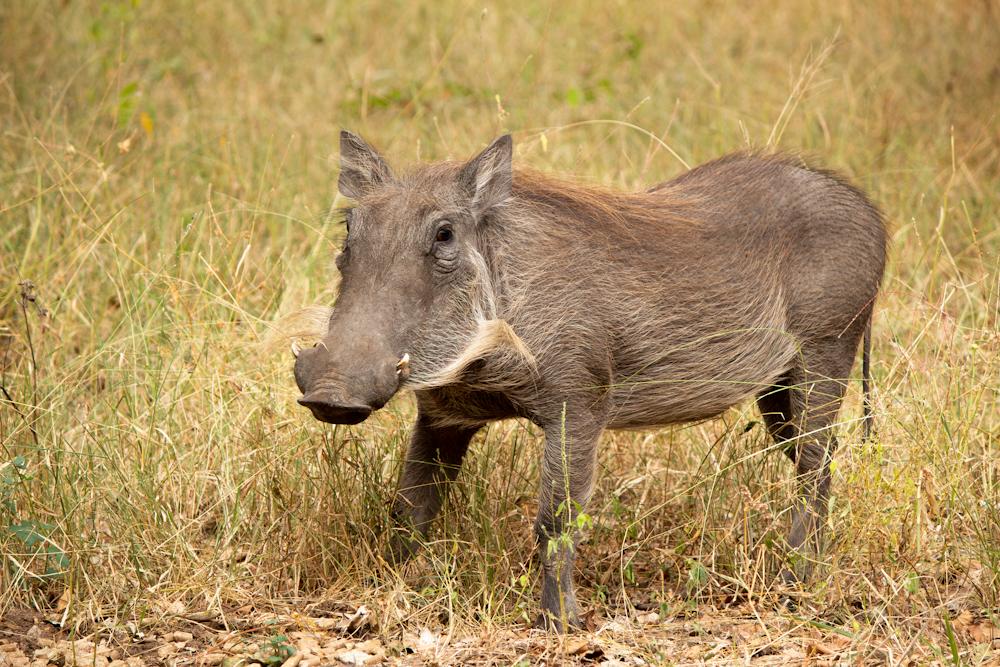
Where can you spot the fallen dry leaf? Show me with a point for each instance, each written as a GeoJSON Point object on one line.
{"type": "Point", "coordinates": [356, 622]}
{"type": "Point", "coordinates": [589, 621]}
{"type": "Point", "coordinates": [984, 632]}
{"type": "Point", "coordinates": [822, 649]}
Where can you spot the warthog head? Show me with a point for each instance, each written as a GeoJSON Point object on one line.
{"type": "Point", "coordinates": [414, 299]}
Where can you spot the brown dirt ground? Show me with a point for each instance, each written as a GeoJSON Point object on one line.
{"type": "Point", "coordinates": [330, 633]}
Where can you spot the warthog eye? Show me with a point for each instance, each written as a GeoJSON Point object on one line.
{"type": "Point", "coordinates": [444, 250]}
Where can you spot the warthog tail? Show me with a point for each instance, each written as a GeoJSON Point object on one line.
{"type": "Point", "coordinates": [866, 381]}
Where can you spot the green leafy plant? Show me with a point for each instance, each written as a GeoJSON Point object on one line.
{"type": "Point", "coordinates": [12, 475]}
{"type": "Point", "coordinates": [276, 650]}
{"type": "Point", "coordinates": [37, 540]}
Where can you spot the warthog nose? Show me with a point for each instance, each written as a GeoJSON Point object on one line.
{"type": "Point", "coordinates": [328, 408]}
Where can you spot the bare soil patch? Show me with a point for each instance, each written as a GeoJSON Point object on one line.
{"type": "Point", "coordinates": [335, 633]}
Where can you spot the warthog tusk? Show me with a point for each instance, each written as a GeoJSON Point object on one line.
{"type": "Point", "coordinates": [403, 363]}
{"type": "Point", "coordinates": [295, 349]}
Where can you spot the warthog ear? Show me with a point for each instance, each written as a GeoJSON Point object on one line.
{"type": "Point", "coordinates": [487, 177]}
{"type": "Point", "coordinates": [362, 169]}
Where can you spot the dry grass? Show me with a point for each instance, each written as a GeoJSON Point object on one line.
{"type": "Point", "coordinates": [166, 182]}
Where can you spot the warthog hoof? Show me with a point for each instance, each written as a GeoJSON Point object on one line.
{"type": "Point", "coordinates": [551, 623]}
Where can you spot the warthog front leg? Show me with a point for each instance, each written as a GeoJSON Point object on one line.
{"type": "Point", "coordinates": [569, 467]}
{"type": "Point", "coordinates": [433, 459]}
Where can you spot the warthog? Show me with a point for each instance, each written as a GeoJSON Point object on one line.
{"type": "Point", "coordinates": [496, 291]}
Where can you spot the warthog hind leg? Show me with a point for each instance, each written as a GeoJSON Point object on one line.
{"type": "Point", "coordinates": [800, 411]}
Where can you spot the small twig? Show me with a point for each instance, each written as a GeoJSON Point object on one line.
{"type": "Point", "coordinates": [620, 122]}
{"type": "Point", "coordinates": [617, 127]}
{"type": "Point", "coordinates": [502, 103]}
{"type": "Point", "coordinates": [28, 295]}
{"type": "Point", "coordinates": [656, 148]}
{"type": "Point", "coordinates": [807, 73]}
{"type": "Point", "coordinates": [858, 314]}
{"type": "Point", "coordinates": [916, 637]}
{"type": "Point", "coordinates": [20, 414]}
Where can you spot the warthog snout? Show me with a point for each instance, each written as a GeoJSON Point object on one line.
{"type": "Point", "coordinates": [345, 395]}
{"type": "Point", "coordinates": [327, 407]}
